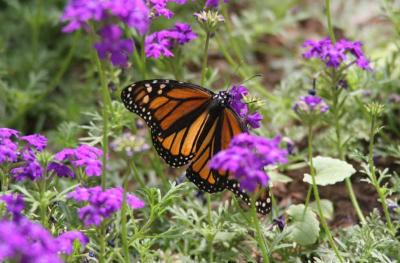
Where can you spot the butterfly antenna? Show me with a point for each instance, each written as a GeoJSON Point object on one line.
{"type": "Point", "coordinates": [253, 77]}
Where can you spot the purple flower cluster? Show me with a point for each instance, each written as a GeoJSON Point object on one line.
{"type": "Point", "coordinates": [135, 14]}
{"type": "Point", "coordinates": [240, 107]}
{"type": "Point", "coordinates": [65, 241]}
{"type": "Point", "coordinates": [25, 241]}
{"type": "Point", "coordinates": [310, 104]}
{"type": "Point", "coordinates": [8, 148]}
{"type": "Point", "coordinates": [15, 205]}
{"type": "Point", "coordinates": [101, 204]}
{"type": "Point", "coordinates": [214, 3]}
{"type": "Point", "coordinates": [14, 147]}
{"type": "Point", "coordinates": [160, 44]}
{"type": "Point", "coordinates": [246, 157]}
{"type": "Point", "coordinates": [159, 7]}
{"type": "Point", "coordinates": [84, 156]}
{"type": "Point", "coordinates": [112, 44]}
{"type": "Point", "coordinates": [78, 13]}
{"type": "Point", "coordinates": [334, 54]}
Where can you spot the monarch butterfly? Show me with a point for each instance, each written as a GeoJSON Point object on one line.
{"type": "Point", "coordinates": [189, 124]}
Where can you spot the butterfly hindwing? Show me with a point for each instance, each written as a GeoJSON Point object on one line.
{"type": "Point", "coordinates": [222, 126]}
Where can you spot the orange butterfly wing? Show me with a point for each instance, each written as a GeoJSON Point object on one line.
{"type": "Point", "coordinates": [175, 112]}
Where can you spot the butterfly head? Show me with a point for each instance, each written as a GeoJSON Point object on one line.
{"type": "Point", "coordinates": [223, 98]}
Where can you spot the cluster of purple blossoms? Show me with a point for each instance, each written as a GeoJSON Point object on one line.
{"type": "Point", "coordinates": [24, 149]}
{"type": "Point", "coordinates": [334, 54]}
{"type": "Point", "coordinates": [240, 107]}
{"type": "Point", "coordinates": [78, 13]}
{"type": "Point", "coordinates": [114, 45]}
{"type": "Point", "coordinates": [84, 156]}
{"type": "Point", "coordinates": [25, 241]}
{"type": "Point", "coordinates": [15, 148]}
{"type": "Point", "coordinates": [135, 14]}
{"type": "Point", "coordinates": [160, 44]}
{"type": "Point", "coordinates": [310, 104]}
{"type": "Point", "coordinates": [8, 148]}
{"type": "Point", "coordinates": [15, 205]}
{"type": "Point", "coordinates": [101, 204]}
{"type": "Point", "coordinates": [214, 3]}
{"type": "Point", "coordinates": [246, 157]}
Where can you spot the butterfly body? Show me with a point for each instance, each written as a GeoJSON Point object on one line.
{"type": "Point", "coordinates": [189, 124]}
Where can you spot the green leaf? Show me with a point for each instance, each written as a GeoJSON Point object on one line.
{"type": "Point", "coordinates": [327, 208]}
{"type": "Point", "coordinates": [278, 177]}
{"type": "Point", "coordinates": [329, 171]}
{"type": "Point", "coordinates": [303, 227]}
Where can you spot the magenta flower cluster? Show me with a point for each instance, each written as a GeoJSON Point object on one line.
{"type": "Point", "coordinates": [85, 156]}
{"type": "Point", "coordinates": [334, 54]}
{"type": "Point", "coordinates": [101, 204]}
{"type": "Point", "coordinates": [135, 14]}
{"type": "Point", "coordinates": [310, 104]}
{"type": "Point", "coordinates": [78, 13]}
{"type": "Point", "coordinates": [160, 44]}
{"type": "Point", "coordinates": [237, 94]}
{"type": "Point", "coordinates": [17, 148]}
{"type": "Point", "coordinates": [113, 45]}
{"type": "Point", "coordinates": [214, 3]}
{"type": "Point", "coordinates": [22, 240]}
{"type": "Point", "coordinates": [247, 156]}
{"type": "Point", "coordinates": [24, 149]}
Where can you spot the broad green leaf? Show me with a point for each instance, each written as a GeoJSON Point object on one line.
{"type": "Point", "coordinates": [303, 227]}
{"type": "Point", "coordinates": [327, 208]}
{"type": "Point", "coordinates": [329, 171]}
{"type": "Point", "coordinates": [277, 177]}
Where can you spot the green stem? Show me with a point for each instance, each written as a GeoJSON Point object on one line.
{"type": "Point", "coordinates": [205, 59]}
{"type": "Point", "coordinates": [102, 235]}
{"type": "Point", "coordinates": [374, 179]}
{"type": "Point", "coordinates": [210, 237]}
{"type": "Point", "coordinates": [124, 229]}
{"type": "Point", "coordinates": [232, 40]}
{"type": "Point", "coordinates": [43, 202]}
{"type": "Point", "coordinates": [317, 198]}
{"type": "Point", "coordinates": [4, 183]}
{"type": "Point", "coordinates": [329, 20]}
{"type": "Point", "coordinates": [260, 237]}
{"type": "Point", "coordinates": [143, 55]}
{"type": "Point", "coordinates": [36, 24]}
{"type": "Point", "coordinates": [307, 202]}
{"type": "Point", "coordinates": [136, 174]}
{"type": "Point", "coordinates": [339, 145]}
{"type": "Point", "coordinates": [106, 108]}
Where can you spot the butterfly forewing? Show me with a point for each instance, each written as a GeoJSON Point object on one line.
{"type": "Point", "coordinates": [175, 112]}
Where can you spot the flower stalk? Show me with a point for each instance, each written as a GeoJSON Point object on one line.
{"type": "Point", "coordinates": [124, 228]}
{"type": "Point", "coordinates": [205, 59]}
{"type": "Point", "coordinates": [259, 235]}
{"type": "Point", "coordinates": [106, 108]}
{"type": "Point", "coordinates": [375, 110]}
{"type": "Point", "coordinates": [336, 108]}
{"type": "Point", "coordinates": [316, 194]}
